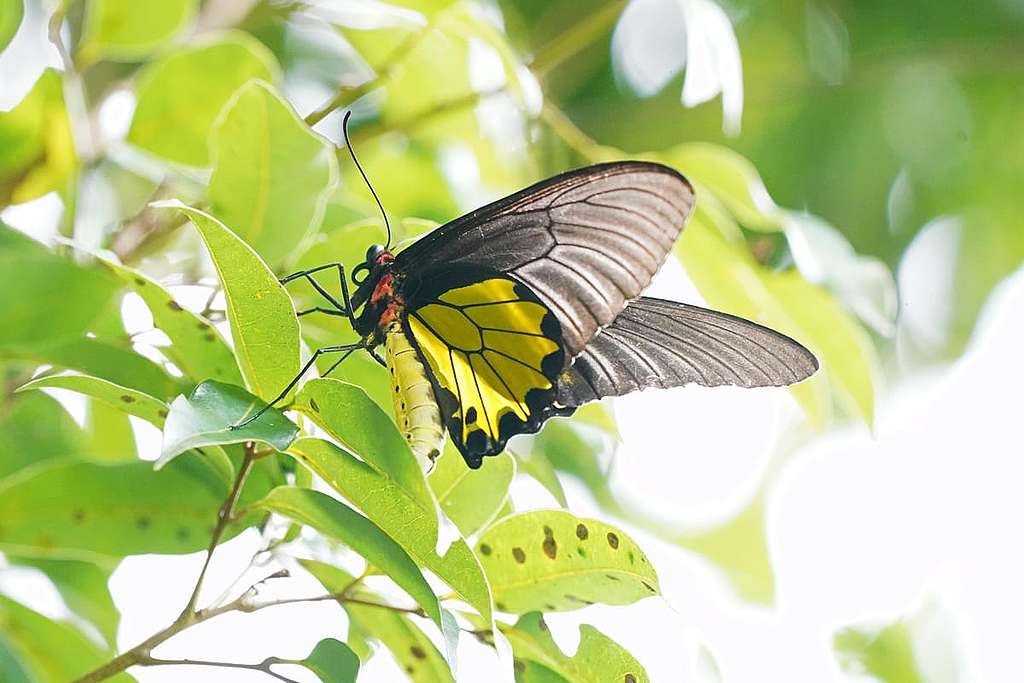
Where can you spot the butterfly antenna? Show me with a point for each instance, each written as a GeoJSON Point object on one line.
{"type": "Point", "coordinates": [348, 143]}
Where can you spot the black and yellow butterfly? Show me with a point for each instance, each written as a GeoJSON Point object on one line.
{"type": "Point", "coordinates": [530, 307]}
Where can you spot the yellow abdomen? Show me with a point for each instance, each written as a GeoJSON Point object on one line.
{"type": "Point", "coordinates": [416, 410]}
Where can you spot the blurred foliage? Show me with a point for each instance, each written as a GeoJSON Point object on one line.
{"type": "Point", "coordinates": [857, 191]}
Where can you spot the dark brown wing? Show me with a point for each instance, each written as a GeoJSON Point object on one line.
{"type": "Point", "coordinates": [585, 242]}
{"type": "Point", "coordinates": [657, 343]}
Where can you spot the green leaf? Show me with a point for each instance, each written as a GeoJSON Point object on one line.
{"type": "Point", "coordinates": [408, 520]}
{"type": "Point", "coordinates": [72, 509]}
{"type": "Point", "coordinates": [471, 498]}
{"type": "Point", "coordinates": [346, 413]}
{"type": "Point", "coordinates": [46, 299]}
{"type": "Point", "coordinates": [50, 651]}
{"type": "Point", "coordinates": [128, 400]}
{"type": "Point", "coordinates": [205, 419]}
{"type": "Point", "coordinates": [732, 179]}
{"type": "Point", "coordinates": [11, 12]}
{"type": "Point", "coordinates": [598, 659]}
{"type": "Point", "coordinates": [114, 362]}
{"type": "Point", "coordinates": [180, 96]}
{"type": "Point", "coordinates": [551, 560]}
{"type": "Point", "coordinates": [538, 466]}
{"type": "Point", "coordinates": [35, 428]}
{"type": "Point", "coordinates": [83, 585]}
{"type": "Point", "coordinates": [415, 653]}
{"type": "Point", "coordinates": [271, 174]}
{"type": "Point", "coordinates": [127, 30]}
{"type": "Point", "coordinates": [264, 328]}
{"type": "Point", "coordinates": [333, 662]}
{"type": "Point", "coordinates": [886, 655]}
{"type": "Point", "coordinates": [111, 437]}
{"type": "Point", "coordinates": [336, 520]}
{"type": "Point", "coordinates": [197, 348]}
{"type": "Point", "coordinates": [37, 152]}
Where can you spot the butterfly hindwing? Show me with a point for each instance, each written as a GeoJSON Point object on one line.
{"type": "Point", "coordinates": [585, 242]}
{"type": "Point", "coordinates": [494, 353]}
{"type": "Point", "coordinates": [663, 344]}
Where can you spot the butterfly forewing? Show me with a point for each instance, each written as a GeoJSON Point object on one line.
{"type": "Point", "coordinates": [494, 352]}
{"type": "Point", "coordinates": [585, 242]}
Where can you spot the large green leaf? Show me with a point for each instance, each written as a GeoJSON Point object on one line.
{"type": "Point", "coordinates": [83, 585]}
{"type": "Point", "coordinates": [407, 519]}
{"type": "Point", "coordinates": [110, 433]}
{"type": "Point", "coordinates": [336, 520]}
{"type": "Point", "coordinates": [205, 419]}
{"type": "Point", "coordinates": [11, 13]}
{"type": "Point", "coordinates": [264, 328]}
{"type": "Point", "coordinates": [197, 348]}
{"type": "Point", "coordinates": [37, 152]}
{"type": "Point", "coordinates": [35, 428]}
{"type": "Point", "coordinates": [49, 651]}
{"type": "Point", "coordinates": [128, 400]}
{"type": "Point", "coordinates": [46, 299]}
{"type": "Point", "coordinates": [471, 498]}
{"type": "Point", "coordinates": [551, 560]}
{"type": "Point", "coordinates": [78, 509]}
{"type": "Point", "coordinates": [271, 174]}
{"type": "Point", "coordinates": [415, 652]}
{"type": "Point", "coordinates": [333, 662]}
{"type": "Point", "coordinates": [128, 30]}
{"type": "Point", "coordinates": [598, 659]}
{"type": "Point", "coordinates": [346, 413]}
{"type": "Point", "coordinates": [180, 96]}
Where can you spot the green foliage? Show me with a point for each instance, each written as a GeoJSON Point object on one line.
{"type": "Point", "coordinates": [333, 662]}
{"type": "Point", "coordinates": [127, 30]}
{"type": "Point", "coordinates": [471, 498]}
{"type": "Point", "coordinates": [129, 400]}
{"type": "Point", "coordinates": [11, 12]}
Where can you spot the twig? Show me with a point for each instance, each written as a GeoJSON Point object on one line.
{"type": "Point", "coordinates": [263, 666]}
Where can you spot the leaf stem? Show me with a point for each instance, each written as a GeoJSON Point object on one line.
{"type": "Point", "coordinates": [571, 135]}
{"type": "Point", "coordinates": [576, 39]}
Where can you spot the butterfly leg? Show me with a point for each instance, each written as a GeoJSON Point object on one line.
{"type": "Point", "coordinates": [345, 349]}
{"type": "Point", "coordinates": [339, 308]}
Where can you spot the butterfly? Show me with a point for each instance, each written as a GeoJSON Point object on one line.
{"type": "Point", "coordinates": [531, 306]}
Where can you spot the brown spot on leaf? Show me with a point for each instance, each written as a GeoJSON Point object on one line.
{"type": "Point", "coordinates": [162, 412]}
{"type": "Point", "coordinates": [500, 606]}
{"type": "Point", "coordinates": [573, 598]}
{"type": "Point", "coordinates": [613, 577]}
{"type": "Point", "coordinates": [541, 624]}
{"type": "Point", "coordinates": [582, 532]}
{"type": "Point", "coordinates": [142, 523]}
{"type": "Point", "coordinates": [210, 336]}
{"type": "Point", "coordinates": [418, 652]}
{"type": "Point", "coordinates": [202, 325]}
{"type": "Point", "coordinates": [127, 399]}
{"type": "Point", "coordinates": [182, 534]}
{"type": "Point", "coordinates": [409, 669]}
{"type": "Point", "coordinates": [77, 515]}
{"type": "Point", "coordinates": [519, 666]}
{"type": "Point", "coordinates": [485, 549]}
{"type": "Point", "coordinates": [313, 405]}
{"type": "Point", "coordinates": [648, 586]}
{"type": "Point", "coordinates": [548, 533]}
{"type": "Point", "coordinates": [174, 306]}
{"type": "Point", "coordinates": [630, 678]}
{"type": "Point", "coordinates": [548, 607]}
{"type": "Point", "coordinates": [613, 540]}
{"type": "Point", "coordinates": [519, 555]}
{"type": "Point", "coordinates": [550, 547]}
{"type": "Point", "coordinates": [140, 282]}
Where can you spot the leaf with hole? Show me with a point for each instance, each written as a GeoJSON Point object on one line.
{"type": "Point", "coordinates": [205, 419]}
{"type": "Point", "coordinates": [551, 560]}
{"type": "Point", "coordinates": [264, 328]}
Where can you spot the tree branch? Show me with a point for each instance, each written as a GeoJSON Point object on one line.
{"type": "Point", "coordinates": [263, 666]}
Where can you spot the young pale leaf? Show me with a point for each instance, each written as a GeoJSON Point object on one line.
{"type": "Point", "coordinates": [11, 13]}
{"type": "Point", "coordinates": [411, 523]}
{"type": "Point", "coordinates": [83, 509]}
{"type": "Point", "coordinates": [551, 560]}
{"type": "Point", "coordinates": [128, 400]}
{"type": "Point", "coordinates": [205, 419]}
{"type": "Point", "coordinates": [83, 585]}
{"type": "Point", "coordinates": [333, 662]}
{"type": "Point", "coordinates": [129, 30]}
{"type": "Point", "coordinates": [111, 437]}
{"type": "Point", "coordinates": [180, 96]}
{"type": "Point", "coordinates": [346, 413]}
{"type": "Point", "coordinates": [336, 520]}
{"type": "Point", "coordinates": [732, 179]}
{"type": "Point", "coordinates": [598, 659]}
{"type": "Point", "coordinates": [38, 150]}
{"type": "Point", "coordinates": [48, 651]}
{"type": "Point", "coordinates": [471, 498]}
{"type": "Point", "coordinates": [271, 174]}
{"type": "Point", "coordinates": [196, 345]}
{"type": "Point", "coordinates": [413, 650]}
{"type": "Point", "coordinates": [264, 328]}
{"type": "Point", "coordinates": [45, 298]}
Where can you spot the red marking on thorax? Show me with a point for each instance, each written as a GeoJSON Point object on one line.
{"type": "Point", "coordinates": [384, 293]}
